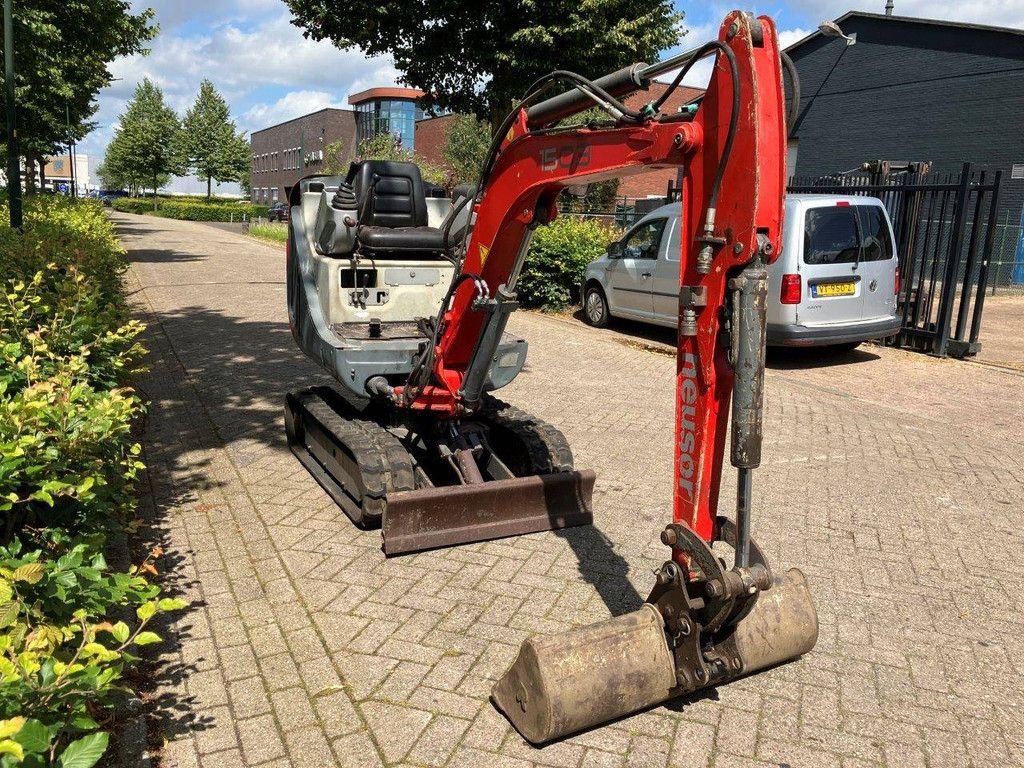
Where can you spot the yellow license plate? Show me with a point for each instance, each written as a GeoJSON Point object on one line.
{"type": "Point", "coordinates": [834, 289]}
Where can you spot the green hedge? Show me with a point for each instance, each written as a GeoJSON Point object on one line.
{"type": "Point", "coordinates": [68, 465]}
{"type": "Point", "coordinates": [558, 256]}
{"type": "Point", "coordinates": [190, 209]}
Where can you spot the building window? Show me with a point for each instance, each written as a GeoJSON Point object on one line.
{"type": "Point", "coordinates": [273, 194]}
{"type": "Point", "coordinates": [1017, 171]}
{"type": "Point", "coordinates": [395, 116]}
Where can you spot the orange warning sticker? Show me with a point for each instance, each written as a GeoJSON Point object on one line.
{"type": "Point", "coordinates": [484, 252]}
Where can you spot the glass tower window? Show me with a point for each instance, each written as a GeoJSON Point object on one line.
{"type": "Point", "coordinates": [396, 116]}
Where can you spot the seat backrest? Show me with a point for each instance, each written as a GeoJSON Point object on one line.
{"type": "Point", "coordinates": [390, 194]}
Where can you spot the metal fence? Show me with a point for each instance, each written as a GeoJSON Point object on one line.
{"type": "Point", "coordinates": [946, 232]}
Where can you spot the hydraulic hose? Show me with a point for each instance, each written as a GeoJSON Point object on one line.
{"type": "Point", "coordinates": [794, 94]}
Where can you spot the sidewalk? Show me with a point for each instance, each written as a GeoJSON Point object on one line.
{"type": "Point", "coordinates": [895, 481]}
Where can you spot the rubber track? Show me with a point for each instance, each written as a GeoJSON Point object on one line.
{"type": "Point", "coordinates": [383, 463]}
{"type": "Point", "coordinates": [547, 447]}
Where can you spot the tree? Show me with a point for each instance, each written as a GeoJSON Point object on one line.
{"type": "Point", "coordinates": [145, 146]}
{"type": "Point", "coordinates": [476, 57]}
{"type": "Point", "coordinates": [208, 143]}
{"type": "Point", "coordinates": [384, 146]}
{"type": "Point", "coordinates": [62, 49]}
{"type": "Point", "coordinates": [465, 148]}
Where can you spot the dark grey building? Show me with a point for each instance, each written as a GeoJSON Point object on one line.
{"type": "Point", "coordinates": [916, 90]}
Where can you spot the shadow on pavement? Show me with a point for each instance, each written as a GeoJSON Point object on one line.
{"type": "Point", "coordinates": [603, 568]}
{"type": "Point", "coordinates": [799, 358]}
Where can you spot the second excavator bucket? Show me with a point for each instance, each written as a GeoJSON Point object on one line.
{"type": "Point", "coordinates": [566, 683]}
{"type": "Point", "coordinates": [442, 516]}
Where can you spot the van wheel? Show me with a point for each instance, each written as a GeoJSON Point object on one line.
{"type": "Point", "coordinates": [595, 307]}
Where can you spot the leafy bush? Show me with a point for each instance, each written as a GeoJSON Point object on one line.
{"type": "Point", "coordinates": [190, 209]}
{"type": "Point", "coordinates": [558, 256]}
{"type": "Point", "coordinates": [67, 469]}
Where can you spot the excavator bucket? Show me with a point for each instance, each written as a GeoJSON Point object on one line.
{"type": "Point", "coordinates": [443, 516]}
{"type": "Point", "coordinates": [562, 684]}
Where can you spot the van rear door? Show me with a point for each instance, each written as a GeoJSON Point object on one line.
{"type": "Point", "coordinates": [877, 263]}
{"type": "Point", "coordinates": [833, 284]}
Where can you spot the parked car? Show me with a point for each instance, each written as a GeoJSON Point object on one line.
{"type": "Point", "coordinates": [108, 196]}
{"type": "Point", "coordinates": [835, 282]}
{"type": "Point", "coordinates": [278, 212]}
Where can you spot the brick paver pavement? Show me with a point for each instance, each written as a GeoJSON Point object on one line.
{"type": "Point", "coordinates": [894, 480]}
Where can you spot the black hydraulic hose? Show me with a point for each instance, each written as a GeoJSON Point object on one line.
{"type": "Point", "coordinates": [794, 94]}
{"type": "Point", "coordinates": [730, 137]}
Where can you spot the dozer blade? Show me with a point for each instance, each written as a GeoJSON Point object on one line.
{"type": "Point", "coordinates": [445, 515]}
{"type": "Point", "coordinates": [566, 683]}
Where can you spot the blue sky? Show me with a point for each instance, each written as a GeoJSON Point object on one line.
{"type": "Point", "coordinates": [269, 72]}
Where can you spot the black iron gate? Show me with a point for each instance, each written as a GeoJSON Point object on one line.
{"type": "Point", "coordinates": [945, 226]}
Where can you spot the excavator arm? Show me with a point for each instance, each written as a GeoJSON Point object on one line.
{"type": "Point", "coordinates": [727, 223]}
{"type": "Point", "coordinates": [704, 623]}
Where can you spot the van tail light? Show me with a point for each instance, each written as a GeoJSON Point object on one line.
{"type": "Point", "coordinates": [897, 292]}
{"type": "Point", "coordinates": [791, 289]}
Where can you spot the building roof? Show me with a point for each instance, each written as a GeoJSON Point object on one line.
{"type": "Point", "coordinates": [683, 94]}
{"type": "Point", "coordinates": [908, 20]}
{"type": "Point", "coordinates": [300, 117]}
{"type": "Point", "coordinates": [385, 93]}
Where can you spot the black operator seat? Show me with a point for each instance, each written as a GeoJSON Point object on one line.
{"type": "Point", "coordinates": [392, 210]}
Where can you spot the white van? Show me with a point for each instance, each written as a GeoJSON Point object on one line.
{"type": "Point", "coordinates": [835, 282]}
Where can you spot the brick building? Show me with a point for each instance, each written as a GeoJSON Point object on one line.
{"type": "Point", "coordinates": [655, 183]}
{"type": "Point", "coordinates": [284, 153]}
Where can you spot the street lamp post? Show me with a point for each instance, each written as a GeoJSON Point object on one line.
{"type": "Point", "coordinates": [831, 29]}
{"type": "Point", "coordinates": [13, 160]}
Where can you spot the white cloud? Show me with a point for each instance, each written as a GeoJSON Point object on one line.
{"type": "Point", "coordinates": [292, 104]}
{"type": "Point", "coordinates": [251, 52]}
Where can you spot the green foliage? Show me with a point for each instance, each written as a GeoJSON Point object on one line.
{"type": "Point", "coordinates": [272, 232]}
{"type": "Point", "coordinates": [208, 142]}
{"type": "Point", "coordinates": [473, 57]}
{"type": "Point", "coordinates": [61, 659]}
{"type": "Point", "coordinates": [558, 256]}
{"type": "Point", "coordinates": [62, 52]}
{"type": "Point", "coordinates": [145, 147]}
{"type": "Point", "coordinates": [466, 148]}
{"type": "Point", "coordinates": [67, 469]}
{"type": "Point", "coordinates": [386, 146]}
{"type": "Point", "coordinates": [192, 209]}
{"type": "Point", "coordinates": [600, 197]}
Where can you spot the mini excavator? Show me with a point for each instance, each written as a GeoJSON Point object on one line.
{"type": "Point", "coordinates": [403, 297]}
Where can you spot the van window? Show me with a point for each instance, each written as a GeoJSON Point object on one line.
{"type": "Point", "coordinates": [876, 237]}
{"type": "Point", "coordinates": [846, 234]}
{"type": "Point", "coordinates": [642, 242]}
{"type": "Point", "coordinates": [830, 235]}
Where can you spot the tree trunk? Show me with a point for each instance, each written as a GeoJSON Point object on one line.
{"type": "Point", "coordinates": [30, 176]}
{"type": "Point", "coordinates": [42, 173]}
{"type": "Point", "coordinates": [154, 191]}
{"type": "Point", "coordinates": [209, 182]}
